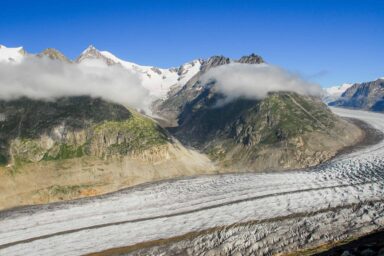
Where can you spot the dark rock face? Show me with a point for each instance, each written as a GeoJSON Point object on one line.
{"type": "Point", "coordinates": [214, 62]}
{"type": "Point", "coordinates": [251, 59]}
{"type": "Point", "coordinates": [367, 96]}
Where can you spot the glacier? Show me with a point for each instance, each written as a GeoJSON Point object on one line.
{"type": "Point", "coordinates": [244, 213]}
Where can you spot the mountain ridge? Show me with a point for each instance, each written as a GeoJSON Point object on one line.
{"type": "Point", "coordinates": [366, 96]}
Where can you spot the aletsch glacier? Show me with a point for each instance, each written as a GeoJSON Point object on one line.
{"type": "Point", "coordinates": [276, 212]}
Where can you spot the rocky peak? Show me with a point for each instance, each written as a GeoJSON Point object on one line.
{"type": "Point", "coordinates": [214, 61]}
{"type": "Point", "coordinates": [53, 54]}
{"type": "Point", "coordinates": [185, 67]}
{"type": "Point", "coordinates": [251, 59]}
{"type": "Point", "coordinates": [92, 53]}
{"type": "Point", "coordinates": [365, 89]}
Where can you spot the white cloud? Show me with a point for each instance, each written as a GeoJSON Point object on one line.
{"type": "Point", "coordinates": [255, 81]}
{"type": "Point", "coordinates": [42, 78]}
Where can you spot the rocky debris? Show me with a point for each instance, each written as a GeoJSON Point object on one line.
{"type": "Point", "coordinates": [368, 245]}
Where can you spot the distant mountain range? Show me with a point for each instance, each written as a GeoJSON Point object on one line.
{"type": "Point", "coordinates": [157, 80]}
{"type": "Point", "coordinates": [366, 96]}
{"type": "Point", "coordinates": [333, 93]}
{"type": "Point", "coordinates": [162, 82]}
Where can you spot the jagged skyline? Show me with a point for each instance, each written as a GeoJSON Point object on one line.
{"type": "Point", "coordinates": [328, 42]}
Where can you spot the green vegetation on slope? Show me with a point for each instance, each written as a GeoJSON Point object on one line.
{"type": "Point", "coordinates": [72, 127]}
{"type": "Point", "coordinates": [65, 152]}
{"type": "Point", "coordinates": [136, 133]}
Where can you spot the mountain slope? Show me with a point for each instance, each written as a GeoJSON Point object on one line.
{"type": "Point", "coordinates": [80, 146]}
{"type": "Point", "coordinates": [54, 55]}
{"type": "Point", "coordinates": [285, 130]}
{"type": "Point", "coordinates": [170, 108]}
{"type": "Point", "coordinates": [367, 96]}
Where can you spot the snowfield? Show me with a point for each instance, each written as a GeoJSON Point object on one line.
{"type": "Point", "coordinates": [275, 212]}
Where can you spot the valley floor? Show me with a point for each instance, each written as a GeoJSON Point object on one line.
{"type": "Point", "coordinates": [228, 214]}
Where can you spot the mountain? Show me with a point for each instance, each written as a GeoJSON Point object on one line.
{"type": "Point", "coordinates": [71, 147]}
{"type": "Point", "coordinates": [169, 108]}
{"type": "Point", "coordinates": [157, 80]}
{"type": "Point", "coordinates": [367, 96]}
{"type": "Point", "coordinates": [79, 146]}
{"type": "Point", "coordinates": [333, 93]}
{"type": "Point", "coordinates": [285, 130]}
{"type": "Point", "coordinates": [11, 54]}
{"type": "Point", "coordinates": [53, 54]}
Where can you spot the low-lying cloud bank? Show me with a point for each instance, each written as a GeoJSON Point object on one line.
{"type": "Point", "coordinates": [43, 78]}
{"type": "Point", "coordinates": [256, 81]}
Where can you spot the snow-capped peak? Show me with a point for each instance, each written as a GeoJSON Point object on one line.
{"type": "Point", "coordinates": [333, 93]}
{"type": "Point", "coordinates": [89, 48]}
{"type": "Point", "coordinates": [11, 54]}
{"type": "Point", "coordinates": [338, 90]}
{"type": "Point", "coordinates": [93, 57]}
{"type": "Point", "coordinates": [157, 80]}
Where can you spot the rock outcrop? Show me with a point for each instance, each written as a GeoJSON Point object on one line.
{"type": "Point", "coordinates": [54, 55]}
{"type": "Point", "coordinates": [81, 146]}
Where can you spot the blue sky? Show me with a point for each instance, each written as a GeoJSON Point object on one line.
{"type": "Point", "coordinates": [328, 42]}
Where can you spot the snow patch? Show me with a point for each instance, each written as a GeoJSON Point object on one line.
{"type": "Point", "coordinates": [337, 90]}
{"type": "Point", "coordinates": [157, 80]}
{"type": "Point", "coordinates": [11, 54]}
